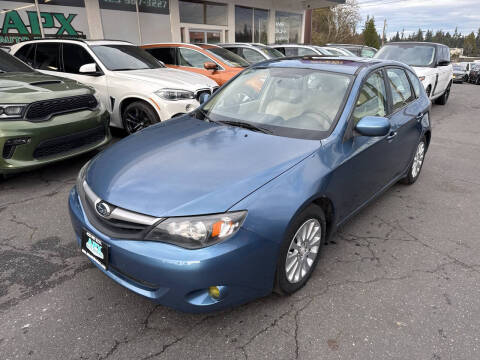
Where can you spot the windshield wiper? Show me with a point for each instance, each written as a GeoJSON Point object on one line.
{"type": "Point", "coordinates": [245, 125]}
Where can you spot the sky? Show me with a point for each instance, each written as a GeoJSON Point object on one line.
{"type": "Point", "coordinates": [428, 14]}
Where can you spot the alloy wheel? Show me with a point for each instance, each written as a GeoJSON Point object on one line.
{"type": "Point", "coordinates": [303, 251]}
{"type": "Point", "coordinates": [418, 159]}
{"type": "Point", "coordinates": [136, 119]}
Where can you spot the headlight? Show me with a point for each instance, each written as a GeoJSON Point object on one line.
{"type": "Point", "coordinates": [175, 94]}
{"type": "Point", "coordinates": [421, 78]}
{"type": "Point", "coordinates": [12, 111]}
{"type": "Point", "coordinates": [198, 231]}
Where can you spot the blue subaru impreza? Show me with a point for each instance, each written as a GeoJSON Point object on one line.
{"type": "Point", "coordinates": [234, 200]}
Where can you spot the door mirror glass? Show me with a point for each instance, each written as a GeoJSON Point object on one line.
{"type": "Point", "coordinates": [373, 126]}
{"type": "Point", "coordinates": [203, 98]}
{"type": "Point", "coordinates": [210, 65]}
{"type": "Point", "coordinates": [88, 69]}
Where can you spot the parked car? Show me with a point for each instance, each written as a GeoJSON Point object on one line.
{"type": "Point", "coordinates": [134, 86]}
{"type": "Point", "coordinates": [460, 73]}
{"type": "Point", "coordinates": [253, 53]}
{"type": "Point", "coordinates": [44, 119]}
{"type": "Point", "coordinates": [357, 50]}
{"type": "Point", "coordinates": [339, 51]}
{"type": "Point", "coordinates": [213, 61]}
{"type": "Point", "coordinates": [430, 61]}
{"type": "Point", "coordinates": [224, 204]}
{"type": "Point", "coordinates": [301, 50]}
{"type": "Point", "coordinates": [474, 76]}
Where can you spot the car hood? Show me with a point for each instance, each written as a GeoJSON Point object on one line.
{"type": "Point", "coordinates": [169, 78]}
{"type": "Point", "coordinates": [186, 166]}
{"type": "Point", "coordinates": [35, 86]}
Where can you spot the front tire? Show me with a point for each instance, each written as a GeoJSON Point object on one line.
{"type": "Point", "coordinates": [300, 250]}
{"type": "Point", "coordinates": [442, 100]}
{"type": "Point", "coordinates": [137, 116]}
{"type": "Point", "coordinates": [417, 163]}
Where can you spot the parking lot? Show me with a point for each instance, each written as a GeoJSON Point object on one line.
{"type": "Point", "coordinates": [400, 281]}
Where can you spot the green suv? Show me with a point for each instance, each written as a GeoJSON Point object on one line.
{"type": "Point", "coordinates": [44, 119]}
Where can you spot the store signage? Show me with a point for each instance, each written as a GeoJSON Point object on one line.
{"type": "Point", "coordinates": [146, 6]}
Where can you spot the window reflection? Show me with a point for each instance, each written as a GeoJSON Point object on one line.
{"type": "Point", "coordinates": [203, 13]}
{"type": "Point", "coordinates": [251, 25]}
{"type": "Point", "coordinates": [288, 27]}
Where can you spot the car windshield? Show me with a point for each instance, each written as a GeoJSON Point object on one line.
{"type": "Point", "coordinates": [334, 52]}
{"type": "Point", "coordinates": [9, 64]}
{"type": "Point", "coordinates": [228, 57]}
{"type": "Point", "coordinates": [458, 67]}
{"type": "Point", "coordinates": [292, 102]}
{"type": "Point", "coordinates": [413, 55]}
{"type": "Point", "coordinates": [270, 52]}
{"type": "Point", "coordinates": [125, 57]}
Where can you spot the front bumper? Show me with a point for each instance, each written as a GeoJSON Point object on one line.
{"type": "Point", "coordinates": [59, 138]}
{"type": "Point", "coordinates": [244, 266]}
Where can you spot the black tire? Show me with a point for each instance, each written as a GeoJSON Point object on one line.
{"type": "Point", "coordinates": [442, 100]}
{"type": "Point", "coordinates": [137, 116]}
{"type": "Point", "coordinates": [411, 178]}
{"type": "Point", "coordinates": [282, 285]}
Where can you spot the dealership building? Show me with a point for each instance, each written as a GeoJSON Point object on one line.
{"type": "Point", "coordinates": [149, 21]}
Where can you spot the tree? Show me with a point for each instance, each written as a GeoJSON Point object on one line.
{"type": "Point", "coordinates": [370, 34]}
{"type": "Point", "coordinates": [470, 45]}
{"type": "Point", "coordinates": [419, 35]}
{"type": "Point", "coordinates": [429, 36]}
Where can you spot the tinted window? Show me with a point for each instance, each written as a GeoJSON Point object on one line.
{"type": "Point", "coordinates": [8, 63]}
{"type": "Point", "coordinates": [164, 54]}
{"type": "Point", "coordinates": [125, 57]}
{"type": "Point", "coordinates": [281, 49]}
{"type": "Point", "coordinates": [305, 51]}
{"type": "Point", "coordinates": [372, 100]}
{"type": "Point", "coordinates": [26, 54]}
{"type": "Point", "coordinates": [227, 57]}
{"type": "Point", "coordinates": [47, 56]}
{"type": "Point", "coordinates": [291, 51]}
{"type": "Point", "coordinates": [417, 86]}
{"type": "Point", "coordinates": [401, 91]}
{"type": "Point", "coordinates": [192, 58]}
{"type": "Point", "coordinates": [252, 56]}
{"type": "Point", "coordinates": [75, 56]}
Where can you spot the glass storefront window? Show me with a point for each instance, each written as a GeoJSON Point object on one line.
{"type": "Point", "coordinates": [288, 27]}
{"type": "Point", "coordinates": [251, 25]}
{"type": "Point", "coordinates": [196, 12]}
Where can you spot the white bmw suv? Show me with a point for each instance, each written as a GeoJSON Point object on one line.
{"type": "Point", "coordinates": [137, 89]}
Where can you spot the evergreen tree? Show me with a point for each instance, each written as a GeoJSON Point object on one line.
{"type": "Point", "coordinates": [419, 35]}
{"type": "Point", "coordinates": [470, 45]}
{"type": "Point", "coordinates": [370, 34]}
{"type": "Point", "coordinates": [429, 36]}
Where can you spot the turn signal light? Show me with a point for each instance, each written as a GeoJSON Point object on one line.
{"type": "Point", "coordinates": [214, 292]}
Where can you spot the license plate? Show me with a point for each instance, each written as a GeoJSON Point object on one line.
{"type": "Point", "coordinates": [95, 249]}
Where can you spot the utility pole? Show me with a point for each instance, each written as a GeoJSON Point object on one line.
{"type": "Point", "coordinates": [384, 30]}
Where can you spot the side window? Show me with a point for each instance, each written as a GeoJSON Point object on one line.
{"type": "Point", "coordinates": [401, 90]}
{"type": "Point", "coordinates": [47, 56]}
{"type": "Point", "coordinates": [291, 51]}
{"type": "Point", "coordinates": [281, 49]}
{"type": "Point", "coordinates": [164, 54]}
{"type": "Point", "coordinates": [368, 53]}
{"type": "Point", "coordinates": [235, 50]}
{"type": "Point", "coordinates": [191, 58]}
{"type": "Point", "coordinates": [252, 56]}
{"type": "Point", "coordinates": [74, 57]}
{"type": "Point", "coordinates": [417, 86]}
{"type": "Point", "coordinates": [27, 54]}
{"type": "Point", "coordinates": [372, 100]}
{"type": "Point", "coordinates": [306, 51]}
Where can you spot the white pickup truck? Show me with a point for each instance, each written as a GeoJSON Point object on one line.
{"type": "Point", "coordinates": [430, 61]}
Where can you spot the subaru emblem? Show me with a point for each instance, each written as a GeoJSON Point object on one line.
{"type": "Point", "coordinates": [103, 209]}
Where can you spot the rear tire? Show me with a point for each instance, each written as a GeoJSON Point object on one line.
{"type": "Point", "coordinates": [300, 248]}
{"type": "Point", "coordinates": [417, 163]}
{"type": "Point", "coordinates": [442, 100]}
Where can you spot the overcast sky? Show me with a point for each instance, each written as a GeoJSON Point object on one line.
{"type": "Point", "coordinates": [427, 14]}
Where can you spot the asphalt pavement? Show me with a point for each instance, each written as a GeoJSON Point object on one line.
{"type": "Point", "coordinates": [399, 281]}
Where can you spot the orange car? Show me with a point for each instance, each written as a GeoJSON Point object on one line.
{"type": "Point", "coordinates": [217, 63]}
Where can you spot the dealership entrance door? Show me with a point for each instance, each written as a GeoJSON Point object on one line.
{"type": "Point", "coordinates": [205, 36]}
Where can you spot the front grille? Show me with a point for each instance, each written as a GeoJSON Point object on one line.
{"type": "Point", "coordinates": [44, 110]}
{"type": "Point", "coordinates": [68, 143]}
{"type": "Point", "coordinates": [122, 224]}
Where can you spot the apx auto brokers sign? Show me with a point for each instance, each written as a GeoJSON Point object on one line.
{"type": "Point", "coordinates": [19, 20]}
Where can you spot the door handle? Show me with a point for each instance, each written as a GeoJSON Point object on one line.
{"type": "Point", "coordinates": [419, 117]}
{"type": "Point", "coordinates": [392, 135]}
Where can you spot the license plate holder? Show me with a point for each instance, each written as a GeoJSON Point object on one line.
{"type": "Point", "coordinates": [95, 249]}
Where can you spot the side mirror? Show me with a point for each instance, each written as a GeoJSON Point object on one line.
{"type": "Point", "coordinates": [88, 69]}
{"type": "Point", "coordinates": [210, 66]}
{"type": "Point", "coordinates": [203, 98]}
{"type": "Point", "coordinates": [373, 126]}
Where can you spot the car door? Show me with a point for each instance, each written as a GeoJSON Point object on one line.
{"type": "Point", "coordinates": [366, 166]}
{"type": "Point", "coordinates": [47, 58]}
{"type": "Point", "coordinates": [444, 71]}
{"type": "Point", "coordinates": [74, 56]}
{"type": "Point", "coordinates": [405, 118]}
{"type": "Point", "coordinates": [194, 61]}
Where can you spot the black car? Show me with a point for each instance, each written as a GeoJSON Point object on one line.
{"type": "Point", "coordinates": [474, 76]}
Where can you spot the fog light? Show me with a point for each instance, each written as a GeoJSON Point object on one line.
{"type": "Point", "coordinates": [214, 292]}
